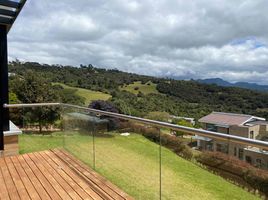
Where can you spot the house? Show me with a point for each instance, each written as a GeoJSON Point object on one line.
{"type": "Point", "coordinates": [247, 126]}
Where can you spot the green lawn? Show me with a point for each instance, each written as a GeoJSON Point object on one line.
{"type": "Point", "coordinates": [147, 88]}
{"type": "Point", "coordinates": [132, 163]}
{"type": "Point", "coordinates": [89, 95]}
{"type": "Point", "coordinates": [34, 143]}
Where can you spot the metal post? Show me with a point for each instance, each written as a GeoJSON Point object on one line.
{"type": "Point", "coordinates": [160, 164]}
{"type": "Point", "coordinates": [4, 113]}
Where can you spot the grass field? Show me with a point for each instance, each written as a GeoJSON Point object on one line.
{"type": "Point", "coordinates": [147, 88]}
{"type": "Point", "coordinates": [88, 95]}
{"type": "Point", "coordinates": [132, 163]}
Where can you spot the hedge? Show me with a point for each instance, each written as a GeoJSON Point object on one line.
{"type": "Point", "coordinates": [255, 177]}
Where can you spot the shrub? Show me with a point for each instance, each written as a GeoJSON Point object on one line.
{"type": "Point", "coordinates": [187, 153]}
{"type": "Point", "coordinates": [256, 178]}
{"type": "Point", "coordinates": [223, 161]}
{"type": "Point", "coordinates": [140, 94]}
{"type": "Point", "coordinates": [107, 106]}
{"type": "Point", "coordinates": [171, 142]}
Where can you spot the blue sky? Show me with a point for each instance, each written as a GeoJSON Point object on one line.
{"type": "Point", "coordinates": [191, 39]}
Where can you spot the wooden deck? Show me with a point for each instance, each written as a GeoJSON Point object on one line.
{"type": "Point", "coordinates": [53, 174]}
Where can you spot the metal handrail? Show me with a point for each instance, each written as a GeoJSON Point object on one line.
{"type": "Point", "coordinates": [31, 105]}
{"type": "Point", "coordinates": [193, 131]}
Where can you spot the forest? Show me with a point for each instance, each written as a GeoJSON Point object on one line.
{"type": "Point", "coordinates": [186, 98]}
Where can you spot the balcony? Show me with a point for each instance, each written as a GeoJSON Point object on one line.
{"type": "Point", "coordinates": [53, 174]}
{"type": "Point", "coordinates": [86, 153]}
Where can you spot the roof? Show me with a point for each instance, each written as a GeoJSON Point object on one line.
{"type": "Point", "coordinates": [256, 150]}
{"type": "Point", "coordinates": [197, 137]}
{"type": "Point", "coordinates": [13, 130]}
{"type": "Point", "coordinates": [228, 119]}
{"type": "Point", "coordinates": [259, 122]}
{"type": "Point", "coordinates": [9, 11]}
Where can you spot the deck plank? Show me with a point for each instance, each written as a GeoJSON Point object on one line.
{"type": "Point", "coordinates": [99, 184]}
{"type": "Point", "coordinates": [91, 174]}
{"type": "Point", "coordinates": [82, 183]}
{"type": "Point", "coordinates": [68, 176]}
{"type": "Point", "coordinates": [52, 193]}
{"type": "Point", "coordinates": [11, 188]}
{"type": "Point", "coordinates": [50, 177]}
{"type": "Point", "coordinates": [3, 188]}
{"type": "Point", "coordinates": [25, 180]}
{"type": "Point", "coordinates": [17, 180]}
{"type": "Point", "coordinates": [92, 184]}
{"type": "Point", "coordinates": [53, 174]}
{"type": "Point", "coordinates": [34, 180]}
{"type": "Point", "coordinates": [56, 174]}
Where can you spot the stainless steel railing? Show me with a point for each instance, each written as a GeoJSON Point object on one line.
{"type": "Point", "coordinates": [193, 131]}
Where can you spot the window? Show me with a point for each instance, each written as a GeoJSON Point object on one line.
{"type": "Point", "coordinates": [241, 154]}
{"type": "Point", "coordinates": [212, 127]}
{"type": "Point", "coordinates": [222, 148]}
{"type": "Point", "coordinates": [218, 147]}
{"type": "Point", "coordinates": [258, 162]}
{"type": "Point", "coordinates": [251, 135]}
{"type": "Point", "coordinates": [235, 151]}
{"type": "Point", "coordinates": [209, 146]}
{"type": "Point", "coordinates": [248, 159]}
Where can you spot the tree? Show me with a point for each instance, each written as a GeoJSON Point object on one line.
{"type": "Point", "coordinates": [140, 94]}
{"type": "Point", "coordinates": [103, 105]}
{"type": "Point", "coordinates": [33, 88]}
{"type": "Point", "coordinates": [181, 122]}
{"type": "Point", "coordinates": [159, 116]}
{"type": "Point", "coordinates": [15, 113]}
{"type": "Point", "coordinates": [69, 95]}
{"type": "Point", "coordinates": [109, 107]}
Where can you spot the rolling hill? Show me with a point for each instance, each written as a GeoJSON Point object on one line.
{"type": "Point", "coordinates": [246, 85]}
{"type": "Point", "coordinates": [87, 95]}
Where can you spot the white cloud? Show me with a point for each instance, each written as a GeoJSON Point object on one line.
{"type": "Point", "coordinates": [190, 39]}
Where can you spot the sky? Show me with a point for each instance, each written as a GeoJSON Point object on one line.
{"type": "Point", "coordinates": [193, 39]}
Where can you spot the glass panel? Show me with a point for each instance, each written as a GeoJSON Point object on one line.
{"type": "Point", "coordinates": [35, 129]}
{"type": "Point", "coordinates": [78, 128]}
{"type": "Point", "coordinates": [127, 154]}
{"type": "Point", "coordinates": [195, 167]}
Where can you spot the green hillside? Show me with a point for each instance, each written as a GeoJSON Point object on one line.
{"type": "Point", "coordinates": [88, 95]}
{"type": "Point", "coordinates": [136, 87]}
{"type": "Point", "coordinates": [177, 97]}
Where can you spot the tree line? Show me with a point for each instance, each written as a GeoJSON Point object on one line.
{"type": "Point", "coordinates": [33, 83]}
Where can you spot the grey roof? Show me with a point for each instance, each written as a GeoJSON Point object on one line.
{"type": "Point", "coordinates": [228, 119]}
{"type": "Point", "coordinates": [258, 122]}
{"type": "Point", "coordinates": [197, 137]}
{"type": "Point", "coordinates": [9, 11]}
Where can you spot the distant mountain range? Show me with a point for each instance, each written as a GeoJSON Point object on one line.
{"type": "Point", "coordinates": [221, 82]}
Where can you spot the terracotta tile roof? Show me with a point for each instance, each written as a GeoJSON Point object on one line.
{"type": "Point", "coordinates": [227, 119]}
